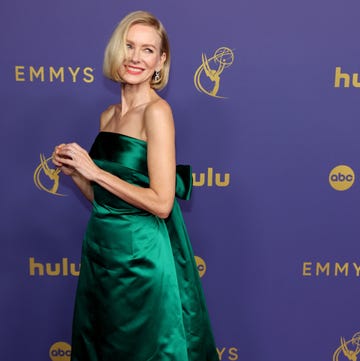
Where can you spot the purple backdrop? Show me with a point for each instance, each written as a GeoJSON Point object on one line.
{"type": "Point", "coordinates": [273, 141]}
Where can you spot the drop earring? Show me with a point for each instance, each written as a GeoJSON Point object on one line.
{"type": "Point", "coordinates": [157, 76]}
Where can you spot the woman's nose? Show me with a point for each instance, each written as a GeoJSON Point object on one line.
{"type": "Point", "coordinates": [135, 55]}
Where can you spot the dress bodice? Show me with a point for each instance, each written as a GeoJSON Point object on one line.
{"type": "Point", "coordinates": [126, 157]}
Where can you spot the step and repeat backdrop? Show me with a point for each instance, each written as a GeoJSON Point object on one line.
{"type": "Point", "coordinates": [266, 100]}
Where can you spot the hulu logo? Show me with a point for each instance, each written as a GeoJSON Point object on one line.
{"type": "Point", "coordinates": [210, 179]}
{"type": "Point", "coordinates": [344, 80]}
{"type": "Point", "coordinates": [63, 268]}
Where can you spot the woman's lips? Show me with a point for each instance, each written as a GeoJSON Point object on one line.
{"type": "Point", "coordinates": [134, 70]}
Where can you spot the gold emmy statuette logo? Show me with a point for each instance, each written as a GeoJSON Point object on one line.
{"type": "Point", "coordinates": [201, 265]}
{"type": "Point", "coordinates": [212, 68]}
{"type": "Point", "coordinates": [341, 178]}
{"type": "Point", "coordinates": [46, 178]}
{"type": "Point", "coordinates": [60, 351]}
{"type": "Point", "coordinates": [348, 350]}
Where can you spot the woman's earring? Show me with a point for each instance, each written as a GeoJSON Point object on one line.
{"type": "Point", "coordinates": [157, 76]}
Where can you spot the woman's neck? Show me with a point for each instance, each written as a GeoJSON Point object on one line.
{"type": "Point", "coordinates": [134, 95]}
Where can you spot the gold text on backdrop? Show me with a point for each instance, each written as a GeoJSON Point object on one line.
{"type": "Point", "coordinates": [344, 80]}
{"type": "Point", "coordinates": [330, 269]}
{"type": "Point", "coordinates": [209, 179]}
{"type": "Point", "coordinates": [51, 74]}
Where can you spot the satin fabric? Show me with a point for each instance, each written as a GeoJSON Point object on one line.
{"type": "Point", "coordinates": [139, 296]}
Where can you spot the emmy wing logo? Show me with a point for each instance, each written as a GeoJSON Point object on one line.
{"type": "Point", "coordinates": [47, 178]}
{"type": "Point", "coordinates": [207, 76]}
{"type": "Point", "coordinates": [348, 350]}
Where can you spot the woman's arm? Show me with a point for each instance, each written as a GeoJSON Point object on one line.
{"type": "Point", "coordinates": [84, 185]}
{"type": "Point", "coordinates": [158, 198]}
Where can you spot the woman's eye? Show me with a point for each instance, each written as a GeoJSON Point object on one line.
{"type": "Point", "coordinates": [148, 50]}
{"type": "Point", "coordinates": [128, 46]}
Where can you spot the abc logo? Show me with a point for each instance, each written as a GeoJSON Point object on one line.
{"type": "Point", "coordinates": [201, 266]}
{"type": "Point", "coordinates": [341, 177]}
{"type": "Point", "coordinates": [60, 351]}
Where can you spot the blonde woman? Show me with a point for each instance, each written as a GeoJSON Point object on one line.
{"type": "Point", "coordinates": [139, 297]}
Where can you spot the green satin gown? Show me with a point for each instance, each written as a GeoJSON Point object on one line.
{"type": "Point", "coordinates": [139, 296]}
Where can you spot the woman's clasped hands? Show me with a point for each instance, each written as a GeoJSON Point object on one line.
{"type": "Point", "coordinates": [71, 158]}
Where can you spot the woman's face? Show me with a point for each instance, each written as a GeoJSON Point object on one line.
{"type": "Point", "coordinates": [143, 55]}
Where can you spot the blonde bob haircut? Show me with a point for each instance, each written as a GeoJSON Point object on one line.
{"type": "Point", "coordinates": [115, 52]}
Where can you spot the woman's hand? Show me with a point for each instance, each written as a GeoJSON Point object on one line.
{"type": "Point", "coordinates": [58, 161]}
{"type": "Point", "coordinates": [71, 158]}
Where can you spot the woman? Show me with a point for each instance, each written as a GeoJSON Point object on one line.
{"type": "Point", "coordinates": [139, 296]}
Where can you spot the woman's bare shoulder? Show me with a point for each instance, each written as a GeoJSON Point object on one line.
{"type": "Point", "coordinates": [158, 120]}
{"type": "Point", "coordinates": [158, 108]}
{"type": "Point", "coordinates": [107, 115]}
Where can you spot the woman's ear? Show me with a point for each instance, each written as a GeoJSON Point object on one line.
{"type": "Point", "coordinates": [162, 59]}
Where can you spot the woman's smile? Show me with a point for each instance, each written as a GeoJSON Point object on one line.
{"type": "Point", "coordinates": [134, 70]}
